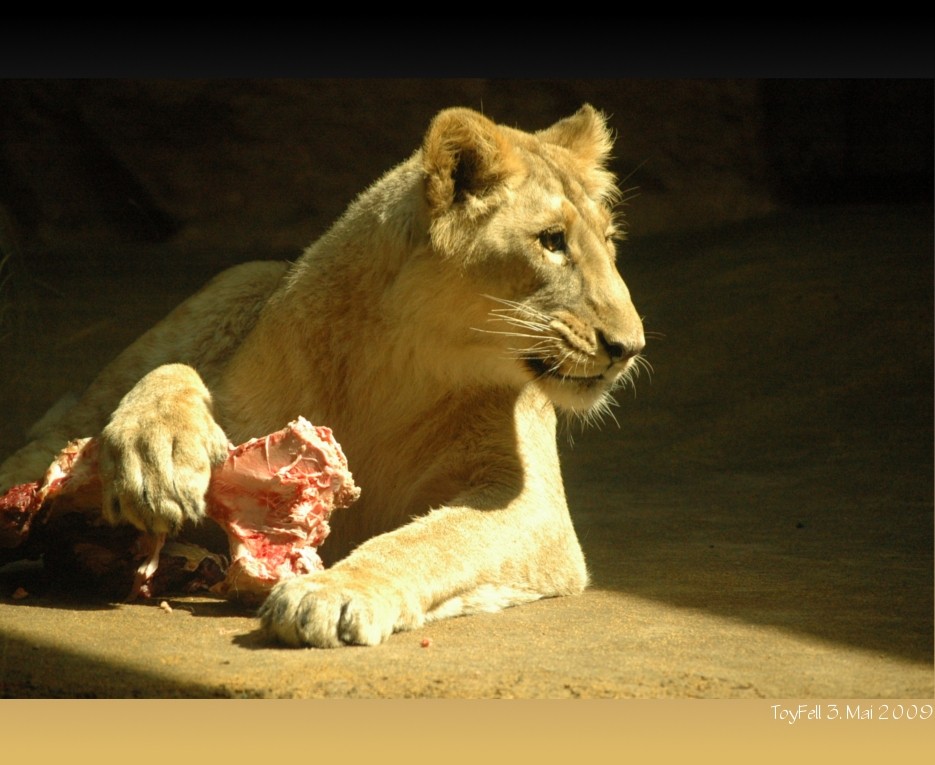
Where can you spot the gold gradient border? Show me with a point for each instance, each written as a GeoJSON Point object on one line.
{"type": "Point", "coordinates": [266, 732]}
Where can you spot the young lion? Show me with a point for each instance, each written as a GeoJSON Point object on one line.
{"type": "Point", "coordinates": [434, 328]}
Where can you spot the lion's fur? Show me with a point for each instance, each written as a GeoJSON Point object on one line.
{"type": "Point", "coordinates": [432, 328]}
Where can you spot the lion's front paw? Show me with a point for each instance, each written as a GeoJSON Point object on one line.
{"type": "Point", "coordinates": [334, 608]}
{"type": "Point", "coordinates": [158, 451]}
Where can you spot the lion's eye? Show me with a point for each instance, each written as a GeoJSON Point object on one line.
{"type": "Point", "coordinates": [553, 240]}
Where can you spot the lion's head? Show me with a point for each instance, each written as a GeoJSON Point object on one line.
{"type": "Point", "coordinates": [528, 219]}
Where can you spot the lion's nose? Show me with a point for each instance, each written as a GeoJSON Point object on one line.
{"type": "Point", "coordinates": [621, 349]}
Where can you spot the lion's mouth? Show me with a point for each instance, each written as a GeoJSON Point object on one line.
{"type": "Point", "coordinates": [543, 369]}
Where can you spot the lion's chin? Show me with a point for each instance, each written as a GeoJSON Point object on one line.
{"type": "Point", "coordinates": [575, 398]}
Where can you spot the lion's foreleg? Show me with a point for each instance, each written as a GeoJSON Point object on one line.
{"type": "Point", "coordinates": [454, 561]}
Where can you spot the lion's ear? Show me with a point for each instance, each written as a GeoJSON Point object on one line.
{"type": "Point", "coordinates": [463, 154]}
{"type": "Point", "coordinates": [584, 133]}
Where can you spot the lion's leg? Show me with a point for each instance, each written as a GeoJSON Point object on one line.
{"type": "Point", "coordinates": [156, 451]}
{"type": "Point", "coordinates": [453, 561]}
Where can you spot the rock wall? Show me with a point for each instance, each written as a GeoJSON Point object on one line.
{"type": "Point", "coordinates": [257, 168]}
{"type": "Point", "coordinates": [263, 166]}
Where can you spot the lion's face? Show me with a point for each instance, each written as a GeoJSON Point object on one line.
{"type": "Point", "coordinates": [528, 218]}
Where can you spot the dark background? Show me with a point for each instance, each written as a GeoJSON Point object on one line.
{"type": "Point", "coordinates": [233, 169]}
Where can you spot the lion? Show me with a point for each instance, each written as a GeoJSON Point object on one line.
{"type": "Point", "coordinates": [436, 328]}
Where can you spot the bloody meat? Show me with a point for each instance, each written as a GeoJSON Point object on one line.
{"type": "Point", "coordinates": [273, 497]}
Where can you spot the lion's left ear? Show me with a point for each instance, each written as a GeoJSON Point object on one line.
{"type": "Point", "coordinates": [584, 133]}
{"type": "Point", "coordinates": [463, 154]}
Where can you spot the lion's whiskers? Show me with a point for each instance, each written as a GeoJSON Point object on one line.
{"type": "Point", "coordinates": [523, 323]}
{"type": "Point", "coordinates": [641, 364]}
{"type": "Point", "coordinates": [507, 334]}
{"type": "Point", "coordinates": [522, 317]}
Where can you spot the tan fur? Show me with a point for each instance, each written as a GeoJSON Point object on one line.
{"type": "Point", "coordinates": [433, 328]}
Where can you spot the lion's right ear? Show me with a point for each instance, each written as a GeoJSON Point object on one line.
{"type": "Point", "coordinates": [464, 155]}
{"type": "Point", "coordinates": [584, 133]}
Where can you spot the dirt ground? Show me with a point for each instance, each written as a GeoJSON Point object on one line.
{"type": "Point", "coordinates": [758, 523]}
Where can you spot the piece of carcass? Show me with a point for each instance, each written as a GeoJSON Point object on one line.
{"type": "Point", "coordinates": [73, 474]}
{"type": "Point", "coordinates": [273, 497]}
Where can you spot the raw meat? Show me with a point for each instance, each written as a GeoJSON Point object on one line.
{"type": "Point", "coordinates": [273, 497]}
{"type": "Point", "coordinates": [73, 473]}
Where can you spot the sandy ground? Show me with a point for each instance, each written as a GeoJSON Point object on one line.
{"type": "Point", "coordinates": [758, 524]}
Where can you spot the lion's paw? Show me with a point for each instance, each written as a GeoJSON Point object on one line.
{"type": "Point", "coordinates": [334, 608]}
{"type": "Point", "coordinates": [158, 451]}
